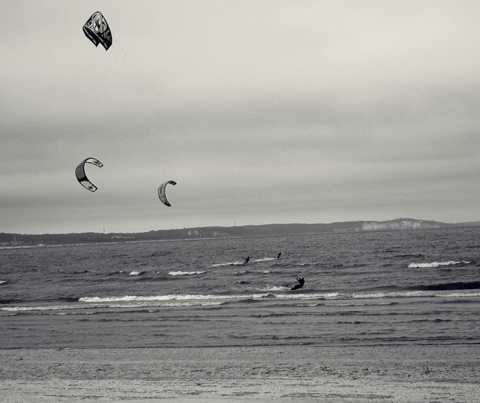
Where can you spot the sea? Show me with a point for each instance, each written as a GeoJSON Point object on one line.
{"type": "Point", "coordinates": [365, 288]}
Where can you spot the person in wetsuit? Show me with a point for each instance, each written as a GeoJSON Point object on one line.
{"type": "Point", "coordinates": [301, 282]}
{"type": "Point", "coordinates": [246, 260]}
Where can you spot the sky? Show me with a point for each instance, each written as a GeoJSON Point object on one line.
{"type": "Point", "coordinates": [262, 111]}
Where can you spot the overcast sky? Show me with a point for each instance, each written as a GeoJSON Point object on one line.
{"type": "Point", "coordinates": [262, 112]}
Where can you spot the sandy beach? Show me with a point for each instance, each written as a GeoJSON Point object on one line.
{"type": "Point", "coordinates": [231, 374]}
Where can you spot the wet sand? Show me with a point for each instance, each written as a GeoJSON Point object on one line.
{"type": "Point", "coordinates": [241, 374]}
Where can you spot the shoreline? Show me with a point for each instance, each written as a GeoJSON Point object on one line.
{"type": "Point", "coordinates": [400, 373]}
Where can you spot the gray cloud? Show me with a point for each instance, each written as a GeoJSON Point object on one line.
{"type": "Point", "coordinates": [262, 111]}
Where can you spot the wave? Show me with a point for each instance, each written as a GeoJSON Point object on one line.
{"type": "Point", "coordinates": [3, 282]}
{"type": "Point", "coordinates": [274, 288]}
{"type": "Point", "coordinates": [453, 292]}
{"type": "Point", "coordinates": [163, 253]}
{"type": "Point", "coordinates": [136, 273]}
{"type": "Point", "coordinates": [6, 301]}
{"type": "Point", "coordinates": [460, 285]}
{"type": "Point", "coordinates": [277, 292]}
{"type": "Point", "coordinates": [282, 294]}
{"type": "Point", "coordinates": [236, 263]}
{"type": "Point", "coordinates": [169, 297]}
{"type": "Point", "coordinates": [19, 309]}
{"type": "Point", "coordinates": [416, 294]}
{"type": "Point", "coordinates": [414, 265]}
{"type": "Point", "coordinates": [264, 259]}
{"type": "Point", "coordinates": [185, 273]}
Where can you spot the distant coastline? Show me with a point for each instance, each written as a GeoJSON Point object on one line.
{"type": "Point", "coordinates": [398, 224]}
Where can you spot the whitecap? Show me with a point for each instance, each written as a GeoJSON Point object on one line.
{"type": "Point", "coordinates": [227, 264]}
{"type": "Point", "coordinates": [414, 265]}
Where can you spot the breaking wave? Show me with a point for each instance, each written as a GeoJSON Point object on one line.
{"type": "Point", "coordinates": [136, 273]}
{"type": "Point", "coordinates": [437, 264]}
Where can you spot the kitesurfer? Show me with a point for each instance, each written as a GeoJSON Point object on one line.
{"type": "Point", "coordinates": [279, 254]}
{"type": "Point", "coordinates": [301, 282]}
{"type": "Point", "coordinates": [246, 260]}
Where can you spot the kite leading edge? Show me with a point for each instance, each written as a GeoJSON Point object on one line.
{"type": "Point", "coordinates": [82, 177]}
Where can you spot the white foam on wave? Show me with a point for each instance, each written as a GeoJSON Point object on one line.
{"type": "Point", "coordinates": [86, 304]}
{"type": "Point", "coordinates": [38, 308]}
{"type": "Point", "coordinates": [135, 273]}
{"type": "Point", "coordinates": [414, 265]}
{"type": "Point", "coordinates": [273, 288]}
{"type": "Point", "coordinates": [227, 264]}
{"type": "Point", "coordinates": [169, 297]}
{"type": "Point", "coordinates": [415, 294]}
{"type": "Point", "coordinates": [211, 297]}
{"type": "Point", "coordinates": [379, 295]}
{"type": "Point", "coordinates": [238, 263]}
{"type": "Point", "coordinates": [185, 273]}
{"type": "Point", "coordinates": [100, 304]}
{"type": "Point", "coordinates": [167, 304]}
{"type": "Point", "coordinates": [3, 282]}
{"type": "Point", "coordinates": [462, 294]}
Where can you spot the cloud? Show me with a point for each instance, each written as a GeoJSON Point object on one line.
{"type": "Point", "coordinates": [262, 111]}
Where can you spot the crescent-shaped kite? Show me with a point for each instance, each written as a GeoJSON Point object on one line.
{"type": "Point", "coordinates": [82, 177]}
{"type": "Point", "coordinates": [97, 30]}
{"type": "Point", "coordinates": [161, 192]}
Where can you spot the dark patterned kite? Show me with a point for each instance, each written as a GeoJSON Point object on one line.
{"type": "Point", "coordinates": [161, 192]}
{"type": "Point", "coordinates": [82, 177]}
{"type": "Point", "coordinates": [97, 30]}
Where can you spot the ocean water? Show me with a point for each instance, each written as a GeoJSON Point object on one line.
{"type": "Point", "coordinates": [366, 288]}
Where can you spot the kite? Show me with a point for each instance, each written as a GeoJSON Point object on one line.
{"type": "Point", "coordinates": [82, 177]}
{"type": "Point", "coordinates": [97, 30]}
{"type": "Point", "coordinates": [161, 192]}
